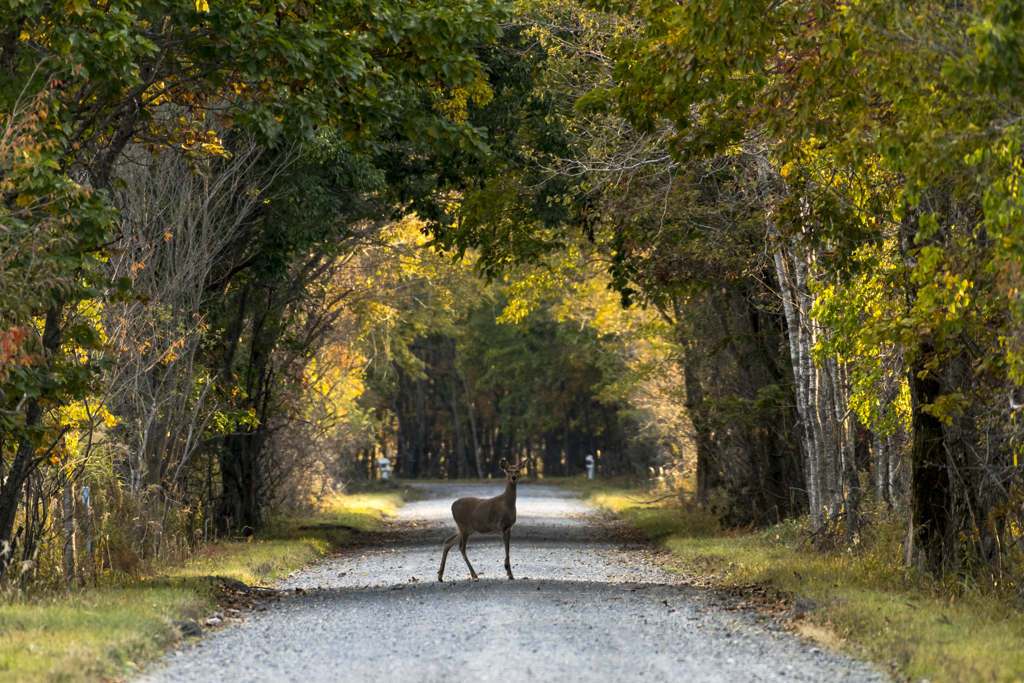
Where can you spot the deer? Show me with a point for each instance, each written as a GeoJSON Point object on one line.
{"type": "Point", "coordinates": [485, 516]}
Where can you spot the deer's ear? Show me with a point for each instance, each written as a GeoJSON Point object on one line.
{"type": "Point", "coordinates": [503, 464]}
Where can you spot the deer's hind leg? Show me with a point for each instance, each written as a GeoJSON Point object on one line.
{"type": "Point", "coordinates": [464, 536]}
{"type": "Point", "coordinates": [449, 542]}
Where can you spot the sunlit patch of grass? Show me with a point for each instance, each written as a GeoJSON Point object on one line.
{"type": "Point", "coordinates": [383, 502]}
{"type": "Point", "coordinates": [259, 562]}
{"type": "Point", "coordinates": [287, 545]}
{"type": "Point", "coordinates": [112, 632]}
{"type": "Point", "coordinates": [658, 513]}
{"type": "Point", "coordinates": [659, 523]}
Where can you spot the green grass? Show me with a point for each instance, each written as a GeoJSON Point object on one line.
{"type": "Point", "coordinates": [869, 604]}
{"type": "Point", "coordinates": [86, 635]}
{"type": "Point", "coordinates": [115, 631]}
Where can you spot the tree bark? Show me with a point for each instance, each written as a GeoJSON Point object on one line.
{"type": "Point", "coordinates": [472, 427]}
{"type": "Point", "coordinates": [239, 508]}
{"type": "Point", "coordinates": [25, 461]}
{"type": "Point", "coordinates": [70, 549]}
{"type": "Point", "coordinates": [461, 464]}
{"type": "Point", "coordinates": [880, 467]}
{"type": "Point", "coordinates": [930, 502]}
{"type": "Point", "coordinates": [708, 476]}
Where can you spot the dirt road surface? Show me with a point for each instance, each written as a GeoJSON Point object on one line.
{"type": "Point", "coordinates": [586, 605]}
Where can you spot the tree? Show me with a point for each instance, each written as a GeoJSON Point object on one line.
{"type": "Point", "coordinates": [678, 237]}
{"type": "Point", "coordinates": [153, 75]}
{"type": "Point", "coordinates": [878, 121]}
{"type": "Point", "coordinates": [50, 227]}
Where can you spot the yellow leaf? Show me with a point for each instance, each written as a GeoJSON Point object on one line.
{"type": "Point", "coordinates": [202, 6]}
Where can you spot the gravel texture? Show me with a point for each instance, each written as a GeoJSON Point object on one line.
{"type": "Point", "coordinates": [584, 607]}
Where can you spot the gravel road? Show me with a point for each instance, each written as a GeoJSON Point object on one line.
{"type": "Point", "coordinates": [584, 607]}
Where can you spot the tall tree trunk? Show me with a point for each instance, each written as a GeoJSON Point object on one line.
{"type": "Point", "coordinates": [472, 427]}
{"type": "Point", "coordinates": [25, 461]}
{"type": "Point", "coordinates": [461, 464]}
{"type": "Point", "coordinates": [799, 352]}
{"type": "Point", "coordinates": [422, 452]}
{"type": "Point", "coordinates": [930, 502]}
{"type": "Point", "coordinates": [852, 494]}
{"type": "Point", "coordinates": [240, 508]}
{"type": "Point", "coordinates": [824, 475]}
{"type": "Point", "coordinates": [70, 550]}
{"type": "Point", "coordinates": [895, 460]}
{"type": "Point", "coordinates": [880, 467]}
{"type": "Point", "coordinates": [565, 445]}
{"type": "Point", "coordinates": [708, 476]}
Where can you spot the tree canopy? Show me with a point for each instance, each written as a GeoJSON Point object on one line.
{"type": "Point", "coordinates": [767, 253]}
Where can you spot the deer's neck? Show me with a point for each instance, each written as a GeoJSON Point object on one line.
{"type": "Point", "coordinates": [510, 493]}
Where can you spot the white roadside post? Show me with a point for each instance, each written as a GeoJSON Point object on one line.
{"type": "Point", "coordinates": [87, 504]}
{"type": "Point", "coordinates": [590, 467]}
{"type": "Point", "coordinates": [385, 467]}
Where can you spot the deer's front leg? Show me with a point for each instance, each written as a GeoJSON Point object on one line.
{"type": "Point", "coordinates": [462, 546]}
{"type": "Point", "coordinates": [505, 536]}
{"type": "Point", "coordinates": [449, 542]}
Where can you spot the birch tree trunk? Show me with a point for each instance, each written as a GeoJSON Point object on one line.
{"type": "Point", "coordinates": [822, 399]}
{"type": "Point", "coordinates": [895, 490]}
{"type": "Point", "coordinates": [880, 465]}
{"type": "Point", "coordinates": [797, 351]}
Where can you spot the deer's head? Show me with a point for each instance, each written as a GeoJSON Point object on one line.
{"type": "Point", "coordinates": [511, 471]}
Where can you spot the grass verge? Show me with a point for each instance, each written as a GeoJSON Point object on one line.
{"type": "Point", "coordinates": [867, 602]}
{"type": "Point", "coordinates": [114, 631]}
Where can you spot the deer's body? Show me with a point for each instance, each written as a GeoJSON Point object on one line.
{"type": "Point", "coordinates": [484, 516]}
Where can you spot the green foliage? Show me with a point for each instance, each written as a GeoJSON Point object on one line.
{"type": "Point", "coordinates": [284, 70]}
{"type": "Point", "coordinates": [841, 90]}
{"type": "Point", "coordinates": [160, 76]}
